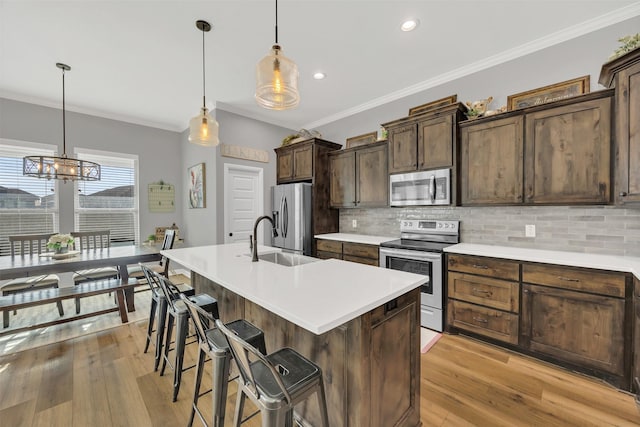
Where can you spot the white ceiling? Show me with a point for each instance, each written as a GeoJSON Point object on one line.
{"type": "Point", "coordinates": [140, 60]}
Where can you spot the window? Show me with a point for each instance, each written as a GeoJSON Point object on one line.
{"type": "Point", "coordinates": [28, 205]}
{"type": "Point", "coordinates": [112, 202]}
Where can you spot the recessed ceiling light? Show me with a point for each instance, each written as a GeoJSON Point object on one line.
{"type": "Point", "coordinates": [319, 75]}
{"type": "Point", "coordinates": [409, 25]}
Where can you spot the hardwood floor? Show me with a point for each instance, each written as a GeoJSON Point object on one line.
{"type": "Point", "coordinates": [104, 379]}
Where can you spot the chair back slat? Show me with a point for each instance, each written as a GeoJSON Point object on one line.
{"type": "Point", "coordinates": [244, 354]}
{"type": "Point", "coordinates": [170, 291]}
{"type": "Point", "coordinates": [202, 320]}
{"type": "Point", "coordinates": [29, 244]}
{"type": "Point", "coordinates": [99, 239]}
{"type": "Point", "coordinates": [152, 280]}
{"type": "Point", "coordinates": [167, 243]}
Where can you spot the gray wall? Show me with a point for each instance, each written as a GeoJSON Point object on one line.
{"type": "Point", "coordinates": [597, 229]}
{"type": "Point", "coordinates": [158, 152]}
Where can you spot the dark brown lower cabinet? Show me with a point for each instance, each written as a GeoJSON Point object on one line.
{"type": "Point", "coordinates": [636, 339]}
{"type": "Point", "coordinates": [583, 329]}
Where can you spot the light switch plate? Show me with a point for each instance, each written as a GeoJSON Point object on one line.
{"type": "Point", "coordinates": [530, 230]}
{"type": "Point", "coordinates": [354, 223]}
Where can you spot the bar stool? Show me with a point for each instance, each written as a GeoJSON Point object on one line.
{"type": "Point", "coordinates": [275, 383]}
{"type": "Point", "coordinates": [159, 306]}
{"type": "Point", "coordinates": [212, 343]}
{"type": "Point", "coordinates": [177, 311]}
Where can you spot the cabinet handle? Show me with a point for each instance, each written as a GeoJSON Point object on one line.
{"type": "Point", "coordinates": [623, 194]}
{"type": "Point", "coordinates": [568, 279]}
{"type": "Point", "coordinates": [480, 291]}
{"type": "Point", "coordinates": [481, 320]}
{"type": "Point", "coordinates": [480, 266]}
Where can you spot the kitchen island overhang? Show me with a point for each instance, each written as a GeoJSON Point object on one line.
{"type": "Point", "coordinates": [359, 323]}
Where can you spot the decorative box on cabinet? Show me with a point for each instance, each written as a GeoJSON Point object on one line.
{"type": "Point", "coordinates": [578, 316]}
{"type": "Point", "coordinates": [624, 74]}
{"type": "Point", "coordinates": [308, 161]}
{"type": "Point", "coordinates": [484, 296]}
{"type": "Point", "coordinates": [557, 153]}
{"type": "Point", "coordinates": [358, 177]}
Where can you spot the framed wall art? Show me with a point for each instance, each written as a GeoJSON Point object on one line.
{"type": "Point", "coordinates": [197, 186]}
{"type": "Point", "coordinates": [433, 105]}
{"type": "Point", "coordinates": [551, 93]}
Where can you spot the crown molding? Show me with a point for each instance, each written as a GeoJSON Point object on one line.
{"type": "Point", "coordinates": [553, 39]}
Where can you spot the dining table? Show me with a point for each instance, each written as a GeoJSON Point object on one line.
{"type": "Point", "coordinates": [12, 267]}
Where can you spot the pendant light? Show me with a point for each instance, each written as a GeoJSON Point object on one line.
{"type": "Point", "coordinates": [277, 79]}
{"type": "Point", "coordinates": [63, 167]}
{"type": "Point", "coordinates": [203, 129]}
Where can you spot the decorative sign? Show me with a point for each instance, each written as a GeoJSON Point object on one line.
{"type": "Point", "coordinates": [246, 153]}
{"type": "Point", "coordinates": [433, 105]}
{"type": "Point", "coordinates": [197, 186]}
{"type": "Point", "coordinates": [551, 93]}
{"type": "Point", "coordinates": [364, 139]}
{"type": "Point", "coordinates": [162, 198]}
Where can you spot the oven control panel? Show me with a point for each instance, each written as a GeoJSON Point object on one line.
{"type": "Point", "coordinates": [429, 226]}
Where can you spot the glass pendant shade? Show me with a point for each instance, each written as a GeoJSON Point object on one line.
{"type": "Point", "coordinates": [277, 81]}
{"type": "Point", "coordinates": [203, 129]}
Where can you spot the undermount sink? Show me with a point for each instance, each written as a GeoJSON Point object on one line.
{"type": "Point", "coordinates": [287, 259]}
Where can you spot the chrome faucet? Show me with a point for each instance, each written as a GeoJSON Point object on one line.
{"type": "Point", "coordinates": [254, 245]}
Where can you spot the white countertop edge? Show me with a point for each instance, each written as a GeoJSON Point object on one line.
{"type": "Point", "coordinates": [574, 259]}
{"type": "Point", "coordinates": [355, 238]}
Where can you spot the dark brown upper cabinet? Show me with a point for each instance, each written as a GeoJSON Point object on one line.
{"type": "Point", "coordinates": [624, 74]}
{"type": "Point", "coordinates": [358, 177]}
{"type": "Point", "coordinates": [557, 153]}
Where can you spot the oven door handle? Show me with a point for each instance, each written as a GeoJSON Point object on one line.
{"type": "Point", "coordinates": [414, 255]}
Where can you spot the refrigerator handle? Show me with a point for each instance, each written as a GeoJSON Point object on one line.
{"type": "Point", "coordinates": [276, 218]}
{"type": "Point", "coordinates": [285, 221]}
{"type": "Point", "coordinates": [281, 212]}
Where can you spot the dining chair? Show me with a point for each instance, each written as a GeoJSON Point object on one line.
{"type": "Point", "coordinates": [93, 240]}
{"type": "Point", "coordinates": [275, 382]}
{"type": "Point", "coordinates": [163, 266]}
{"type": "Point", "coordinates": [29, 245]}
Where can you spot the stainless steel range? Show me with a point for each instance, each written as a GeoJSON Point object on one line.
{"type": "Point", "coordinates": [420, 250]}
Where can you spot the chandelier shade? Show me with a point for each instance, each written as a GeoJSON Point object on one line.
{"type": "Point", "coordinates": [277, 79]}
{"type": "Point", "coordinates": [203, 128]}
{"type": "Point", "coordinates": [61, 167]}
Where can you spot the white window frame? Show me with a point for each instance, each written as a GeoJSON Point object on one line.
{"type": "Point", "coordinates": [79, 152]}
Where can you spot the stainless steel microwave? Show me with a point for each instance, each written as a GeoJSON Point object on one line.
{"type": "Point", "coordinates": [420, 188]}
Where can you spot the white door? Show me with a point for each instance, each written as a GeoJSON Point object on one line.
{"type": "Point", "coordinates": [243, 202]}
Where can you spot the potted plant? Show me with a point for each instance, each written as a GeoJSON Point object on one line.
{"type": "Point", "coordinates": [60, 243]}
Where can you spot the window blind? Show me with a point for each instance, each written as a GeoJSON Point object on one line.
{"type": "Point", "coordinates": [28, 205]}
{"type": "Point", "coordinates": [112, 202]}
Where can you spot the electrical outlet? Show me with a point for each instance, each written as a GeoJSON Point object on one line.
{"type": "Point", "coordinates": [529, 231]}
{"type": "Point", "coordinates": [354, 223]}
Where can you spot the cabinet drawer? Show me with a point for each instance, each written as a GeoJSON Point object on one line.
{"type": "Point", "coordinates": [597, 282]}
{"type": "Point", "coordinates": [484, 266]}
{"type": "Point", "coordinates": [361, 260]}
{"type": "Point", "coordinates": [486, 291]}
{"type": "Point", "coordinates": [329, 246]}
{"type": "Point", "coordinates": [485, 321]}
{"type": "Point", "coordinates": [328, 255]}
{"type": "Point", "coordinates": [361, 250]}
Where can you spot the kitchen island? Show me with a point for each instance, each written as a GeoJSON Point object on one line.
{"type": "Point", "coordinates": [359, 323]}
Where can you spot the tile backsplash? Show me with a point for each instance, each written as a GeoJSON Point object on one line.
{"type": "Point", "coordinates": [595, 229]}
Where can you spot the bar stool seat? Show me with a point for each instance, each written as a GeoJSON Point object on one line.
{"type": "Point", "coordinates": [213, 343]}
{"type": "Point", "coordinates": [275, 383]}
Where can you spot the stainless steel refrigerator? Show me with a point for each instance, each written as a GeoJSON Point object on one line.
{"type": "Point", "coordinates": [291, 210]}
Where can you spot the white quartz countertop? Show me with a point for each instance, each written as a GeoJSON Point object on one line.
{"type": "Point", "coordinates": [574, 259]}
{"type": "Point", "coordinates": [318, 296]}
{"type": "Point", "coordinates": [355, 238]}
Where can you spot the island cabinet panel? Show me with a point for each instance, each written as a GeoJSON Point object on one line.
{"type": "Point", "coordinates": [359, 177]}
{"type": "Point", "coordinates": [568, 153]}
{"type": "Point", "coordinates": [370, 364]}
{"type": "Point", "coordinates": [491, 162]}
{"type": "Point", "coordinates": [623, 73]}
{"type": "Point", "coordinates": [636, 339]}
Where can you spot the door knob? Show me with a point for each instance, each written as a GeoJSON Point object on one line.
{"type": "Point", "coordinates": [230, 234]}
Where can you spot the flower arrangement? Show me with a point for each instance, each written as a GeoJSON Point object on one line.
{"type": "Point", "coordinates": [628, 43]}
{"type": "Point", "coordinates": [60, 242]}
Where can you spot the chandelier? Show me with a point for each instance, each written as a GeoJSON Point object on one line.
{"type": "Point", "coordinates": [62, 167]}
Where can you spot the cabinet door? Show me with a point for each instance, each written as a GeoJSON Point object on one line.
{"type": "Point", "coordinates": [636, 337]}
{"type": "Point", "coordinates": [567, 157]}
{"type": "Point", "coordinates": [435, 143]}
{"type": "Point", "coordinates": [303, 163]}
{"type": "Point", "coordinates": [403, 150]}
{"type": "Point", "coordinates": [285, 166]}
{"type": "Point", "coordinates": [628, 135]}
{"type": "Point", "coordinates": [372, 179]}
{"type": "Point", "coordinates": [491, 162]}
{"type": "Point", "coordinates": [342, 180]}
{"type": "Point", "coordinates": [576, 327]}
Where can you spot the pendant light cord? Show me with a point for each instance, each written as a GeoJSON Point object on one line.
{"type": "Point", "coordinates": [204, 103]}
{"type": "Point", "coordinates": [276, 21]}
{"type": "Point", "coordinates": [64, 138]}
